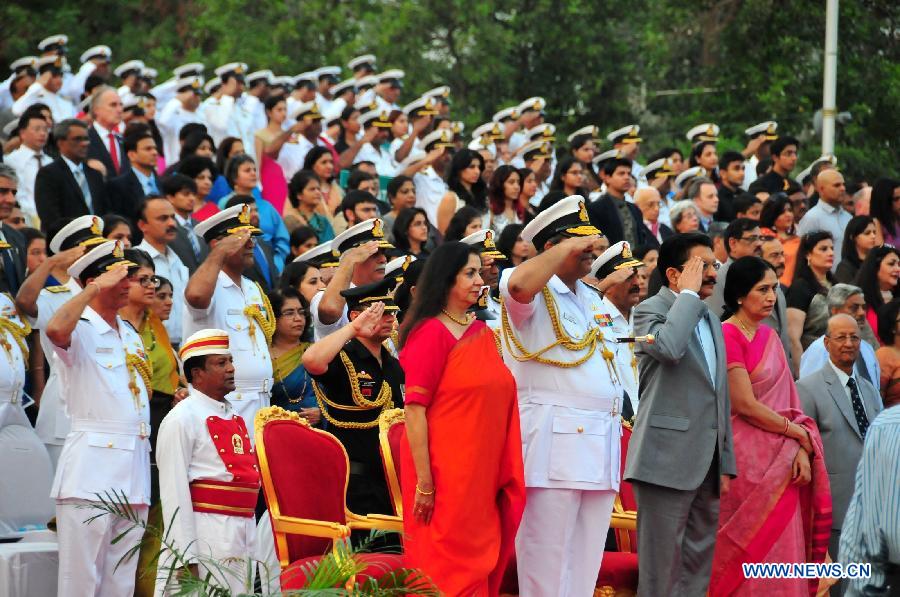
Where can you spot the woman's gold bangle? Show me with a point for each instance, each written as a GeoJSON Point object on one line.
{"type": "Point", "coordinates": [419, 491]}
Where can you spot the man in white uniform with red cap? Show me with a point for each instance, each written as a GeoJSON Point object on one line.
{"type": "Point", "coordinates": [208, 475]}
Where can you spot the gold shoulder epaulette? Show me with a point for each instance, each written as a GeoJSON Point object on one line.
{"type": "Point", "coordinates": [57, 289]}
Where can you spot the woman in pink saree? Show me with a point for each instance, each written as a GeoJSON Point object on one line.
{"type": "Point", "coordinates": [778, 509]}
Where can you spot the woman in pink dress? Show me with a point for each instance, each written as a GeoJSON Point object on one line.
{"type": "Point", "coordinates": [778, 509]}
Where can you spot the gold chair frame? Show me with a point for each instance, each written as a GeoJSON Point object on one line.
{"type": "Point", "coordinates": [283, 525]}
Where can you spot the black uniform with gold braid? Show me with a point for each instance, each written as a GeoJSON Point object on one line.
{"type": "Point", "coordinates": [352, 393]}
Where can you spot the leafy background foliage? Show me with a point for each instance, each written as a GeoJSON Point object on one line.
{"type": "Point", "coordinates": [665, 64]}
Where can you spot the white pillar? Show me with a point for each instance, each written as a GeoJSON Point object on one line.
{"type": "Point", "coordinates": [829, 83]}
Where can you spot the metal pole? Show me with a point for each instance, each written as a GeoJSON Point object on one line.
{"type": "Point", "coordinates": [829, 84]}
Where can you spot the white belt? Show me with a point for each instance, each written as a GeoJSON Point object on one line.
{"type": "Point", "coordinates": [248, 386]}
{"type": "Point", "coordinates": [571, 400]}
{"type": "Point", "coordinates": [141, 430]}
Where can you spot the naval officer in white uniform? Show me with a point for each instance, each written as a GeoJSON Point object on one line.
{"type": "Point", "coordinates": [219, 296]}
{"type": "Point", "coordinates": [569, 404]}
{"type": "Point", "coordinates": [107, 451]}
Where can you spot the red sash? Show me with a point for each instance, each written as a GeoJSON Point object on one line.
{"type": "Point", "coordinates": [236, 497]}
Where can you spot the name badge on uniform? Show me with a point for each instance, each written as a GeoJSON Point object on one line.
{"type": "Point", "coordinates": [603, 320]}
{"type": "Point", "coordinates": [104, 350]}
{"type": "Point", "coordinates": [235, 312]}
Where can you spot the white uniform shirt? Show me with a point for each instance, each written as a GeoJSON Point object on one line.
{"type": "Point", "coordinates": [60, 107]}
{"type": "Point", "coordinates": [12, 369]}
{"type": "Point", "coordinates": [382, 159]}
{"type": "Point", "coordinates": [256, 119]}
{"type": "Point", "coordinates": [186, 452]}
{"type": "Point", "coordinates": [172, 118]}
{"type": "Point", "coordinates": [27, 162]}
{"type": "Point", "coordinates": [323, 103]}
{"type": "Point", "coordinates": [750, 171]}
{"type": "Point", "coordinates": [169, 266]}
{"type": "Point", "coordinates": [73, 85]}
{"type": "Point", "coordinates": [623, 328]}
{"type": "Point", "coordinates": [228, 117]}
{"type": "Point", "coordinates": [252, 363]}
{"type": "Point", "coordinates": [570, 435]}
{"type": "Point", "coordinates": [292, 155]}
{"type": "Point", "coordinates": [320, 330]}
{"type": "Point", "coordinates": [53, 423]}
{"type": "Point", "coordinates": [108, 448]}
{"type": "Point", "coordinates": [430, 189]}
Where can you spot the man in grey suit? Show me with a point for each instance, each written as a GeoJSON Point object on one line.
{"type": "Point", "coordinates": [681, 455]}
{"type": "Point", "coordinates": [743, 239]}
{"type": "Point", "coordinates": [842, 403]}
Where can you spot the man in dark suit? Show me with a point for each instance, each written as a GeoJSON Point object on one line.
{"type": "Point", "coordinates": [181, 191]}
{"type": "Point", "coordinates": [263, 271]}
{"type": "Point", "coordinates": [612, 214]}
{"type": "Point", "coordinates": [12, 243]}
{"type": "Point", "coordinates": [648, 201]}
{"type": "Point", "coordinates": [106, 144]}
{"type": "Point", "coordinates": [67, 187]}
{"type": "Point", "coordinates": [681, 456]}
{"type": "Point", "coordinates": [126, 192]}
{"type": "Point", "coordinates": [843, 404]}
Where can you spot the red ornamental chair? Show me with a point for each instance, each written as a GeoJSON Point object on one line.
{"type": "Point", "coordinates": [304, 477]}
{"type": "Point", "coordinates": [391, 427]}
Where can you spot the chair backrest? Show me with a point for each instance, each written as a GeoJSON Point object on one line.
{"type": "Point", "coordinates": [626, 540]}
{"type": "Point", "coordinates": [26, 476]}
{"type": "Point", "coordinates": [391, 428]}
{"type": "Point", "coordinates": [304, 475]}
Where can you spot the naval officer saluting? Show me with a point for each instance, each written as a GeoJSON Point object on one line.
{"type": "Point", "coordinates": [569, 403]}
{"type": "Point", "coordinates": [107, 393]}
{"type": "Point", "coordinates": [218, 296]}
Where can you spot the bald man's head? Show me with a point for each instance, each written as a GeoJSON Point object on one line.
{"type": "Point", "coordinates": [106, 108]}
{"type": "Point", "coordinates": [842, 341]}
{"type": "Point", "coordinates": [648, 201]}
{"type": "Point", "coordinates": [830, 186]}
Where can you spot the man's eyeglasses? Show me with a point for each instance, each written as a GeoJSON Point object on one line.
{"type": "Point", "coordinates": [853, 339]}
{"type": "Point", "coordinates": [753, 238]}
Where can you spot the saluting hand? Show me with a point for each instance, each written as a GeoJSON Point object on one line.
{"type": "Point", "coordinates": [64, 259]}
{"type": "Point", "coordinates": [357, 255]}
{"type": "Point", "coordinates": [111, 277]}
{"type": "Point", "coordinates": [367, 322]}
{"type": "Point", "coordinates": [617, 277]}
{"type": "Point", "coordinates": [579, 244]}
{"type": "Point", "coordinates": [232, 244]}
{"type": "Point", "coordinates": [692, 275]}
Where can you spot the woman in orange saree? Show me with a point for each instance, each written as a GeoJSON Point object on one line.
{"type": "Point", "coordinates": [462, 478]}
{"type": "Point", "coordinates": [778, 509]}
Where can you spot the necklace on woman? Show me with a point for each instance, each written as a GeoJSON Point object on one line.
{"type": "Point", "coordinates": [744, 327]}
{"type": "Point", "coordinates": [460, 321]}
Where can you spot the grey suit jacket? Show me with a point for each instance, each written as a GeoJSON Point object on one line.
{"type": "Point", "coordinates": [683, 417]}
{"type": "Point", "coordinates": [777, 320]}
{"type": "Point", "coordinates": [825, 401]}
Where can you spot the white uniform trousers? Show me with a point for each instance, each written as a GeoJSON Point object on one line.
{"type": "Point", "coordinates": [224, 546]}
{"type": "Point", "coordinates": [87, 557]}
{"type": "Point", "coordinates": [560, 542]}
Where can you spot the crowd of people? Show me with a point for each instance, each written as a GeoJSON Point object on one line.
{"type": "Point", "coordinates": [178, 256]}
